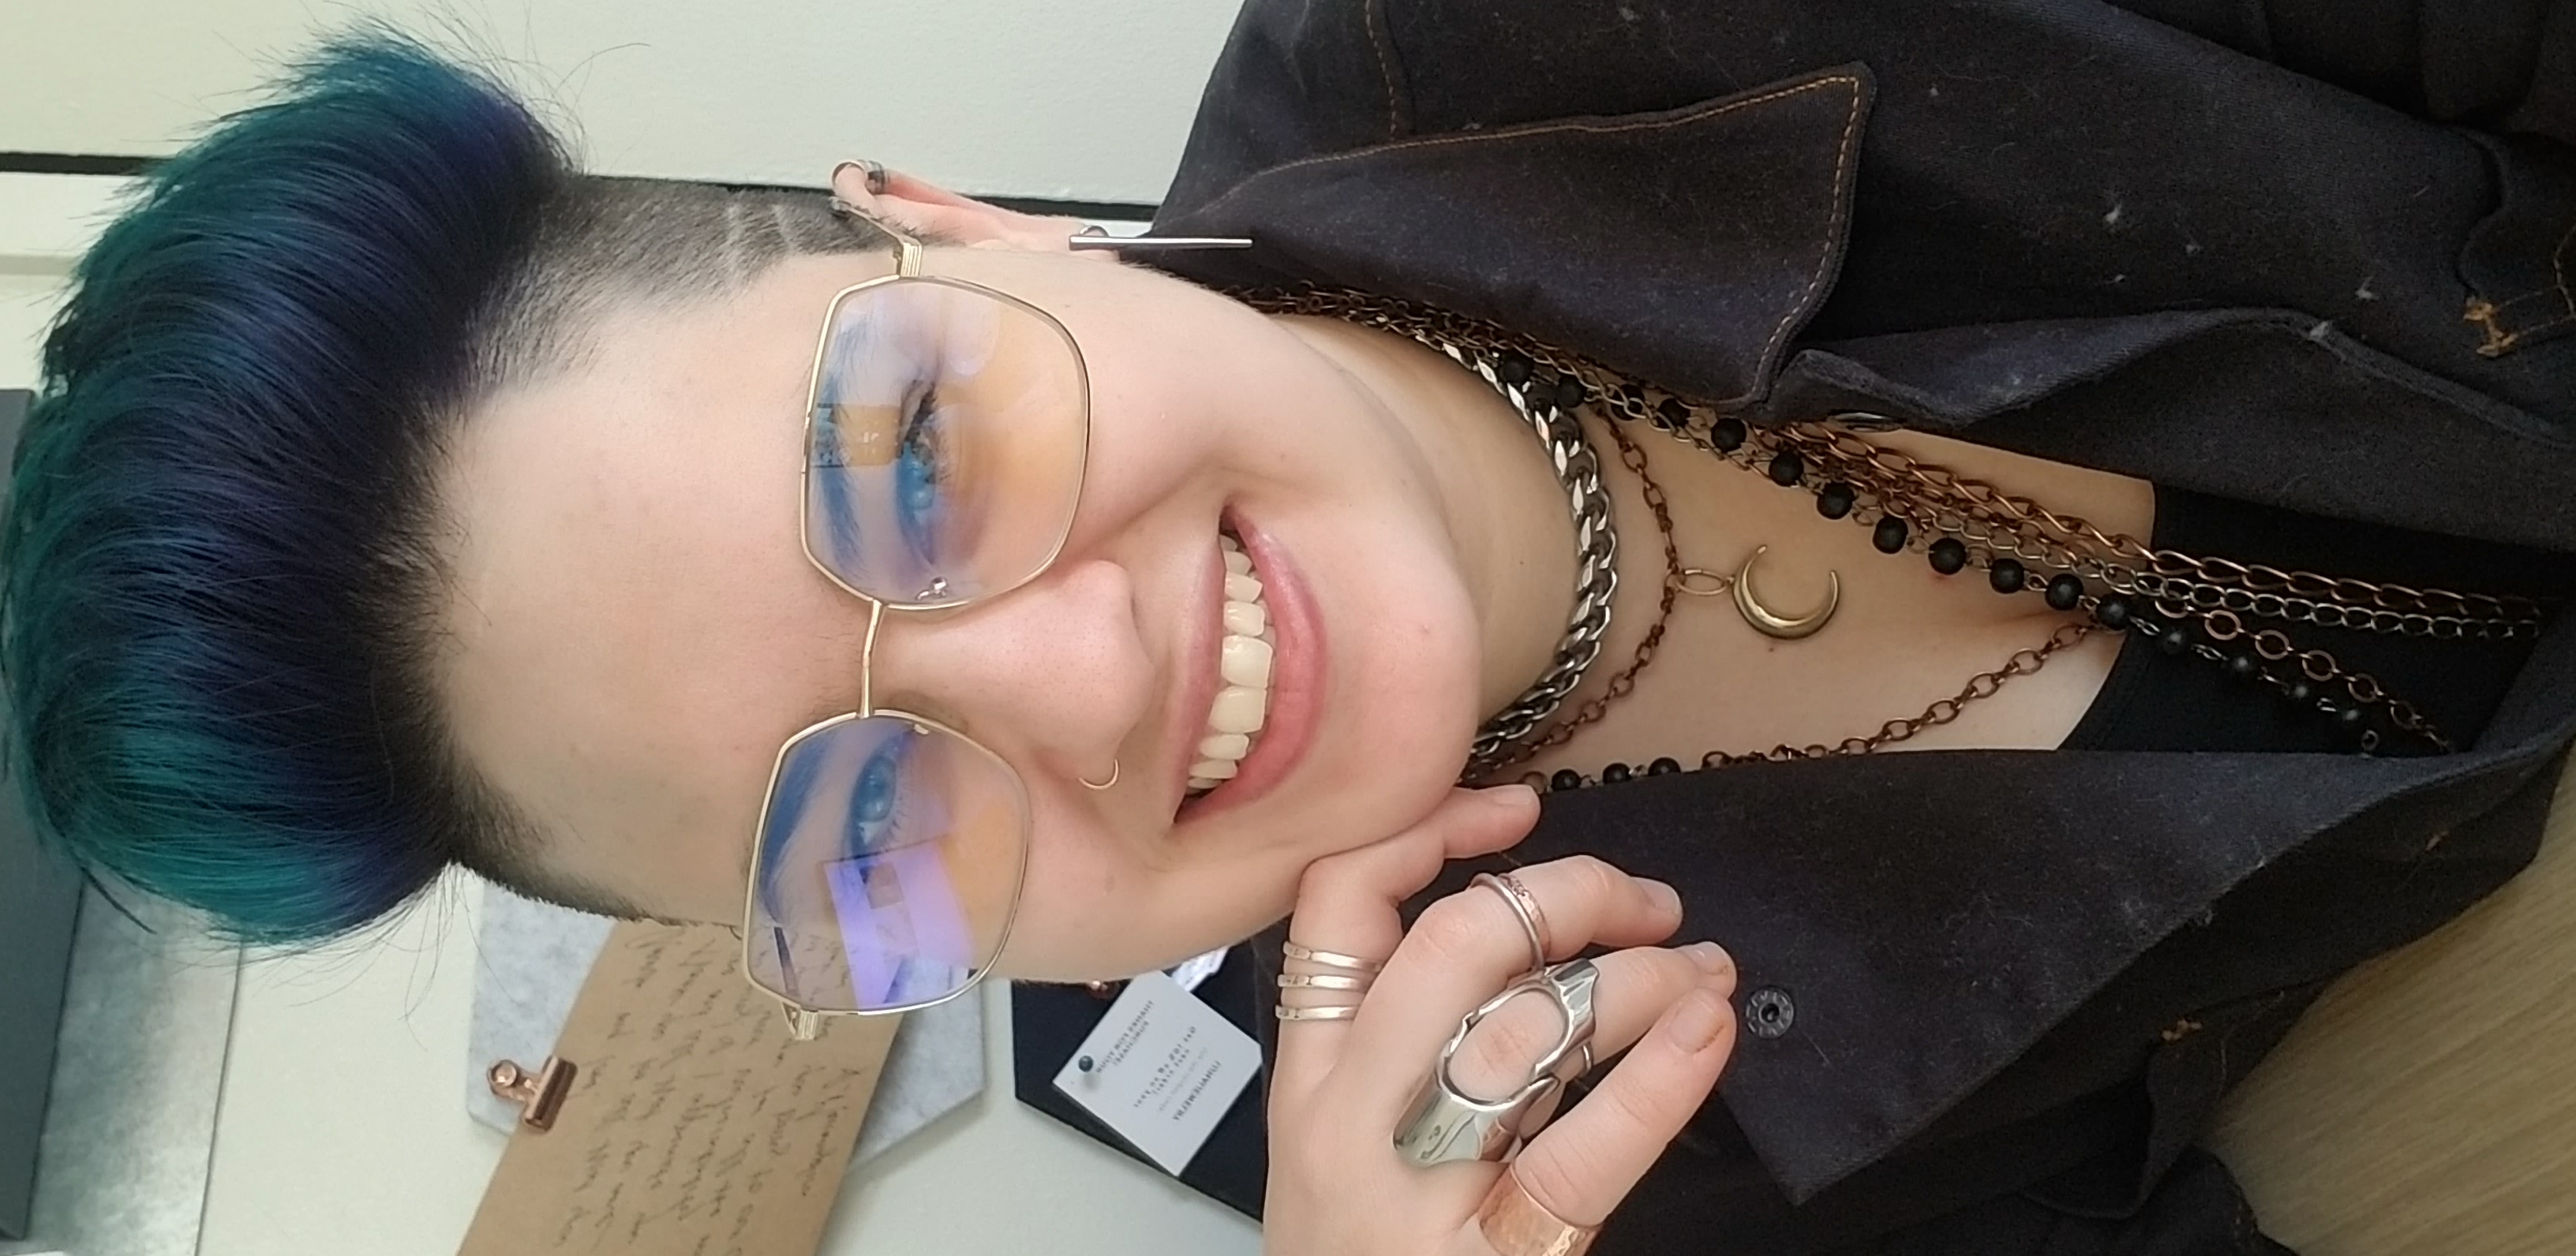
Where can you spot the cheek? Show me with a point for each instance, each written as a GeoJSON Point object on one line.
{"type": "Point", "coordinates": [1092, 911]}
{"type": "Point", "coordinates": [1078, 919]}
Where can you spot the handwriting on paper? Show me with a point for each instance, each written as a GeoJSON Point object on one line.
{"type": "Point", "coordinates": [695, 1126]}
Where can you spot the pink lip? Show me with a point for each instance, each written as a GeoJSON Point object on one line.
{"type": "Point", "coordinates": [1296, 679]}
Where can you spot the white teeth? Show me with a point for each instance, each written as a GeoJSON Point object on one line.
{"type": "Point", "coordinates": [1246, 661]}
{"type": "Point", "coordinates": [1238, 709]}
{"type": "Point", "coordinates": [1243, 662]}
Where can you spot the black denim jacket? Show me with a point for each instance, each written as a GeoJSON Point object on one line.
{"type": "Point", "coordinates": [2318, 258]}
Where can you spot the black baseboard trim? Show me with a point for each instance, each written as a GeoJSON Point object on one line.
{"type": "Point", "coordinates": [75, 163]}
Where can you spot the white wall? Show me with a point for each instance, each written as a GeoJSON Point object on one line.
{"type": "Point", "coordinates": [1081, 99]}
{"type": "Point", "coordinates": [44, 223]}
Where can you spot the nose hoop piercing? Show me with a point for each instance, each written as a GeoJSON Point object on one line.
{"type": "Point", "coordinates": [1088, 783]}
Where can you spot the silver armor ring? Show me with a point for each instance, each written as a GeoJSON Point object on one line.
{"type": "Point", "coordinates": [1446, 1123]}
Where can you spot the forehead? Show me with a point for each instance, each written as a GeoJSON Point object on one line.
{"type": "Point", "coordinates": [633, 625]}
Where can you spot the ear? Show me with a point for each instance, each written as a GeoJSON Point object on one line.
{"type": "Point", "coordinates": [924, 208]}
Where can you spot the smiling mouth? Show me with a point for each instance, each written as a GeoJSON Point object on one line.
{"type": "Point", "coordinates": [1242, 703]}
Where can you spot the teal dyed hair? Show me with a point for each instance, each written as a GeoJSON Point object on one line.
{"type": "Point", "coordinates": [223, 564]}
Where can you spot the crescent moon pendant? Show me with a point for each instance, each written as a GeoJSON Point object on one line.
{"type": "Point", "coordinates": [1771, 623]}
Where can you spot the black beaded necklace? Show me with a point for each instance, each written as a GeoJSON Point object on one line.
{"type": "Point", "coordinates": [2188, 605]}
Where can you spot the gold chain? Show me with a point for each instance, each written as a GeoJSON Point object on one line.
{"type": "Point", "coordinates": [2389, 607]}
{"type": "Point", "coordinates": [1933, 501]}
{"type": "Point", "coordinates": [1982, 685]}
{"type": "Point", "coordinates": [1971, 515]}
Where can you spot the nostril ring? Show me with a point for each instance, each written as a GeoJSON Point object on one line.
{"type": "Point", "coordinates": [1088, 783]}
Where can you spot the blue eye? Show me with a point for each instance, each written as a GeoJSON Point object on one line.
{"type": "Point", "coordinates": [921, 469]}
{"type": "Point", "coordinates": [876, 793]}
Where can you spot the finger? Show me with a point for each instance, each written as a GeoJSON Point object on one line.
{"type": "Point", "coordinates": [1582, 1166]}
{"type": "Point", "coordinates": [850, 185]}
{"type": "Point", "coordinates": [1347, 903]}
{"type": "Point", "coordinates": [1466, 947]}
{"type": "Point", "coordinates": [1636, 987]}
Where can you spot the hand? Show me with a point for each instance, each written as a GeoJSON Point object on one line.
{"type": "Point", "coordinates": [1339, 1087]}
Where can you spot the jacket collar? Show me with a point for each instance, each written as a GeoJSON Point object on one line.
{"type": "Point", "coordinates": [1907, 982]}
{"type": "Point", "coordinates": [1699, 283]}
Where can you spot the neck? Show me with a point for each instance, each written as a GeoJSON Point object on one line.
{"type": "Point", "coordinates": [1505, 510]}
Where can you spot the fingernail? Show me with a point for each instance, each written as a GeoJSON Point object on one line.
{"type": "Point", "coordinates": [1512, 795]}
{"type": "Point", "coordinates": [1697, 1022]}
{"type": "Point", "coordinates": [1711, 958]}
{"type": "Point", "coordinates": [1664, 896]}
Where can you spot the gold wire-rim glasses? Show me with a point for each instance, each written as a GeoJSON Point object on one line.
{"type": "Point", "coordinates": [804, 1021]}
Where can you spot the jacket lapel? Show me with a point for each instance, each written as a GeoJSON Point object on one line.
{"type": "Point", "coordinates": [1691, 246]}
{"type": "Point", "coordinates": [1723, 237]}
{"type": "Point", "coordinates": [1902, 981]}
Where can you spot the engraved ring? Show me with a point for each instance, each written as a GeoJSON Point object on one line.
{"type": "Point", "coordinates": [1525, 906]}
{"type": "Point", "coordinates": [1446, 1123]}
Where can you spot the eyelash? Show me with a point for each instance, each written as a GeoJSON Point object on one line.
{"type": "Point", "coordinates": [900, 751]}
{"type": "Point", "coordinates": [918, 419]}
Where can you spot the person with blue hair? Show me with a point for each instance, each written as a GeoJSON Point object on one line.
{"type": "Point", "coordinates": [2158, 421]}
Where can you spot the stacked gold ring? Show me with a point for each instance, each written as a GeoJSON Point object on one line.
{"type": "Point", "coordinates": [1345, 973]}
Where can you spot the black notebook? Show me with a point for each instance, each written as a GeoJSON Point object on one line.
{"type": "Point", "coordinates": [1049, 1022]}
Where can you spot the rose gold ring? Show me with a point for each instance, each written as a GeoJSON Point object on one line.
{"type": "Point", "coordinates": [1518, 1225]}
{"type": "Point", "coordinates": [1360, 974]}
{"type": "Point", "coordinates": [1328, 1011]}
{"type": "Point", "coordinates": [1332, 959]}
{"type": "Point", "coordinates": [1525, 906]}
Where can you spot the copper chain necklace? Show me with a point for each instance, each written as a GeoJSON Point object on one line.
{"type": "Point", "coordinates": [2189, 603]}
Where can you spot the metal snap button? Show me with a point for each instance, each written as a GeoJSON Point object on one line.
{"type": "Point", "coordinates": [1769, 1012]}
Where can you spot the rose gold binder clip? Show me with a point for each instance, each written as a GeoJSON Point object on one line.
{"type": "Point", "coordinates": [540, 1095]}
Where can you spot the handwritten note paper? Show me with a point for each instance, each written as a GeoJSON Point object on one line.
{"type": "Point", "coordinates": [694, 1126]}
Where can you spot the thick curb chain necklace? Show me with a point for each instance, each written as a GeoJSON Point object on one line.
{"type": "Point", "coordinates": [1596, 544]}
{"type": "Point", "coordinates": [2187, 604]}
